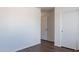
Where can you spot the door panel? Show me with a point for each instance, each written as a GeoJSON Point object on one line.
{"type": "Point", "coordinates": [70, 29]}
{"type": "Point", "coordinates": [44, 27]}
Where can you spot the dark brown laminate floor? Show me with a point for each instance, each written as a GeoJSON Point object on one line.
{"type": "Point", "coordinates": [46, 46]}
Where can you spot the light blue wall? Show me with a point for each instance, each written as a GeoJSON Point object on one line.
{"type": "Point", "coordinates": [19, 28]}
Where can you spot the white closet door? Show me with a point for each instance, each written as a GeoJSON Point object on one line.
{"type": "Point", "coordinates": [70, 29]}
{"type": "Point", "coordinates": [44, 28]}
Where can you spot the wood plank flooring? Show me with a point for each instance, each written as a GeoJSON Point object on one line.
{"type": "Point", "coordinates": [46, 46]}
